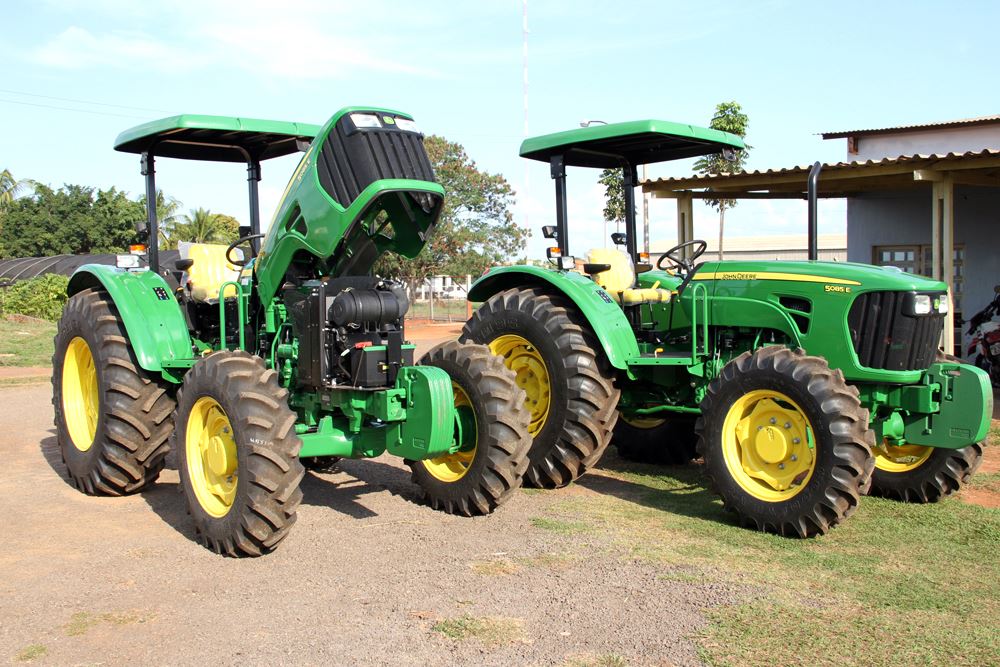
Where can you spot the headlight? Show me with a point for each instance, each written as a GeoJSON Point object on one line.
{"type": "Point", "coordinates": [942, 304]}
{"type": "Point", "coordinates": [406, 124]}
{"type": "Point", "coordinates": [566, 263]}
{"type": "Point", "coordinates": [922, 304]}
{"type": "Point", "coordinates": [365, 120]}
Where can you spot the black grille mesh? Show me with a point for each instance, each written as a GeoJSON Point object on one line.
{"type": "Point", "coordinates": [351, 160]}
{"type": "Point", "coordinates": [886, 338]}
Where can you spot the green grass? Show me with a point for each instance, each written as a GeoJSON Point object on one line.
{"type": "Point", "coordinates": [895, 584]}
{"type": "Point", "coordinates": [25, 342]}
{"type": "Point", "coordinates": [559, 525]}
{"type": "Point", "coordinates": [487, 629]}
{"type": "Point", "coordinates": [32, 652]}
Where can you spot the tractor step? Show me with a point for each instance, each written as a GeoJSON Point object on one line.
{"type": "Point", "coordinates": [671, 358]}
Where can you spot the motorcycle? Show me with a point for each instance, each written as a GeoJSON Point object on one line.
{"type": "Point", "coordinates": [985, 343]}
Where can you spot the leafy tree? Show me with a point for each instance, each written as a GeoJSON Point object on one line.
{"type": "Point", "coordinates": [613, 181]}
{"type": "Point", "coordinates": [10, 188]}
{"type": "Point", "coordinates": [72, 220]}
{"type": "Point", "coordinates": [166, 214]}
{"type": "Point", "coordinates": [476, 229]}
{"type": "Point", "coordinates": [201, 226]}
{"type": "Point", "coordinates": [729, 117]}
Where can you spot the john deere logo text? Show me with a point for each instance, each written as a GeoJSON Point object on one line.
{"type": "Point", "coordinates": [736, 276]}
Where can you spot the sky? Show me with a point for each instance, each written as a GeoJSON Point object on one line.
{"type": "Point", "coordinates": [79, 72]}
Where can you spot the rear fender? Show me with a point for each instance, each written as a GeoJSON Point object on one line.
{"type": "Point", "coordinates": [153, 319]}
{"type": "Point", "coordinates": [604, 315]}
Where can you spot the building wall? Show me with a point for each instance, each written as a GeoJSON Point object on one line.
{"type": "Point", "coordinates": [938, 141]}
{"type": "Point", "coordinates": [901, 218]}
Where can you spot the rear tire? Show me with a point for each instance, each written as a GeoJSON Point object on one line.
{"type": "Point", "coordinates": [786, 442]}
{"type": "Point", "coordinates": [113, 419]}
{"type": "Point", "coordinates": [484, 474]}
{"type": "Point", "coordinates": [569, 383]}
{"type": "Point", "coordinates": [667, 441]}
{"type": "Point", "coordinates": [237, 454]}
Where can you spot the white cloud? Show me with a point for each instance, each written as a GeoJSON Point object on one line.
{"type": "Point", "coordinates": [78, 48]}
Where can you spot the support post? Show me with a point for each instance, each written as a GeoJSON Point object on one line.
{"type": "Point", "coordinates": [628, 190]}
{"type": "Point", "coordinates": [813, 187]}
{"type": "Point", "coordinates": [645, 216]}
{"type": "Point", "coordinates": [947, 206]}
{"type": "Point", "coordinates": [153, 242]}
{"type": "Point", "coordinates": [253, 178]}
{"type": "Point", "coordinates": [557, 167]}
{"type": "Point", "coordinates": [685, 218]}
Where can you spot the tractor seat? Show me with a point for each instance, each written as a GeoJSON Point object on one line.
{"type": "Point", "coordinates": [209, 270]}
{"type": "Point", "coordinates": [613, 270]}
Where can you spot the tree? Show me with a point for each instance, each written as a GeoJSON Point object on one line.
{"type": "Point", "coordinates": [166, 214]}
{"type": "Point", "coordinates": [729, 117]}
{"type": "Point", "coordinates": [613, 181]}
{"type": "Point", "coordinates": [10, 188]}
{"type": "Point", "coordinates": [476, 229]}
{"type": "Point", "coordinates": [72, 220]}
{"type": "Point", "coordinates": [201, 226]}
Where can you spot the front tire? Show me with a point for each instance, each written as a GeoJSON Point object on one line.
{"type": "Point", "coordinates": [237, 454]}
{"type": "Point", "coordinates": [492, 428]}
{"type": "Point", "coordinates": [568, 383]}
{"type": "Point", "coordinates": [917, 474]}
{"type": "Point", "coordinates": [786, 442]}
{"type": "Point", "coordinates": [113, 420]}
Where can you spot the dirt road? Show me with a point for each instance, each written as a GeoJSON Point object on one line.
{"type": "Point", "coordinates": [369, 575]}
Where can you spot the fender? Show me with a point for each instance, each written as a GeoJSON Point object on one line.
{"type": "Point", "coordinates": [153, 320]}
{"type": "Point", "coordinates": [604, 315]}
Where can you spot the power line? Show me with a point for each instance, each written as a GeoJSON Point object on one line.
{"type": "Point", "coordinates": [70, 99]}
{"type": "Point", "coordinates": [90, 111]}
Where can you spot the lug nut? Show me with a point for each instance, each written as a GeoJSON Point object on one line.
{"type": "Point", "coordinates": [796, 441]}
{"type": "Point", "coordinates": [788, 424]}
{"type": "Point", "coordinates": [760, 428]}
{"type": "Point", "coordinates": [773, 420]}
{"type": "Point", "coordinates": [794, 457]}
{"type": "Point", "coordinates": [781, 466]}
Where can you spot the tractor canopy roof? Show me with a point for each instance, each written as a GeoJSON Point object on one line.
{"type": "Point", "coordinates": [216, 138]}
{"type": "Point", "coordinates": [633, 142]}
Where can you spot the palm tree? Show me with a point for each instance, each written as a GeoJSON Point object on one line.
{"type": "Point", "coordinates": [199, 226]}
{"type": "Point", "coordinates": [10, 187]}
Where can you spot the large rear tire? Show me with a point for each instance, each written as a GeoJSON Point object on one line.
{"type": "Point", "coordinates": [113, 419]}
{"type": "Point", "coordinates": [786, 442]}
{"type": "Point", "coordinates": [662, 441]}
{"type": "Point", "coordinates": [568, 382]}
{"type": "Point", "coordinates": [492, 429]}
{"type": "Point", "coordinates": [237, 454]}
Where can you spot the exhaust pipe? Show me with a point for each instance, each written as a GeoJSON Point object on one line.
{"type": "Point", "coordinates": [813, 184]}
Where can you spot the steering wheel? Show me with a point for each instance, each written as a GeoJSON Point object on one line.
{"type": "Point", "coordinates": [678, 260]}
{"type": "Point", "coordinates": [238, 242]}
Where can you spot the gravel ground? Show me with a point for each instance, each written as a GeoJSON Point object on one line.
{"type": "Point", "coordinates": [369, 575]}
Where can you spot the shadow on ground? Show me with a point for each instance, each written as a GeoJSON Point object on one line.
{"type": "Point", "coordinates": [684, 490]}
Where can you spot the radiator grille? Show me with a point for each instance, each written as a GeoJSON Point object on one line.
{"type": "Point", "coordinates": [351, 160]}
{"type": "Point", "coordinates": [884, 337]}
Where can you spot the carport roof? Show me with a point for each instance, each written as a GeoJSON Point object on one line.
{"type": "Point", "coordinates": [840, 179]}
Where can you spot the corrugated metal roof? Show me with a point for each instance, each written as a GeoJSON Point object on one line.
{"type": "Point", "coordinates": [910, 161]}
{"type": "Point", "coordinates": [964, 122]}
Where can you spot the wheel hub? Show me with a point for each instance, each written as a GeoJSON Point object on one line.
{"type": "Point", "coordinates": [452, 467]}
{"type": "Point", "coordinates": [531, 375]}
{"type": "Point", "coordinates": [901, 458]}
{"type": "Point", "coordinates": [80, 394]}
{"type": "Point", "coordinates": [213, 461]}
{"type": "Point", "coordinates": [768, 445]}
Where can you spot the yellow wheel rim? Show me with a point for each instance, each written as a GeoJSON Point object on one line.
{"type": "Point", "coordinates": [642, 422]}
{"type": "Point", "coordinates": [453, 467]}
{"type": "Point", "coordinates": [80, 394]}
{"type": "Point", "coordinates": [901, 458]}
{"type": "Point", "coordinates": [523, 358]}
{"type": "Point", "coordinates": [211, 456]}
{"type": "Point", "coordinates": [768, 445]}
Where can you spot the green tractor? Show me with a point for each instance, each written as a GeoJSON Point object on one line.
{"type": "Point", "coordinates": [803, 385]}
{"type": "Point", "coordinates": [254, 364]}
